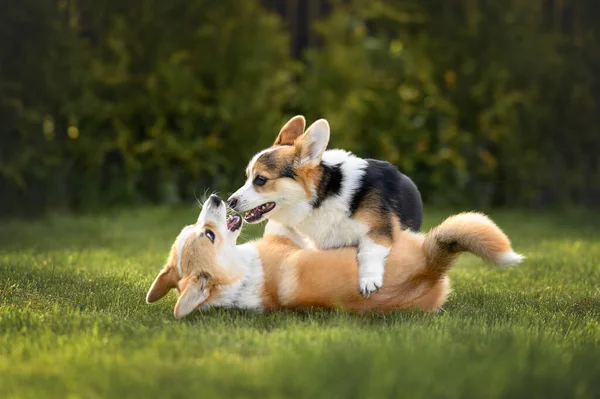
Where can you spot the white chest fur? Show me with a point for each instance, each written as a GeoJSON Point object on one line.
{"type": "Point", "coordinates": [246, 292]}
{"type": "Point", "coordinates": [330, 225]}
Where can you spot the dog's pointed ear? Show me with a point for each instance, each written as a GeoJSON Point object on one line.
{"type": "Point", "coordinates": [164, 282]}
{"type": "Point", "coordinates": [195, 292]}
{"type": "Point", "coordinates": [312, 144]}
{"type": "Point", "coordinates": [290, 131]}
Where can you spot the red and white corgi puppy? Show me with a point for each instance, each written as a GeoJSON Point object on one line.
{"type": "Point", "coordinates": [333, 198]}
{"type": "Point", "coordinates": [208, 269]}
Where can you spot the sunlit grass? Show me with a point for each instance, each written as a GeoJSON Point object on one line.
{"type": "Point", "coordinates": [73, 322]}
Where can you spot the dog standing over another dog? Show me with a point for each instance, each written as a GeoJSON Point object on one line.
{"type": "Point", "coordinates": [333, 198]}
{"type": "Point", "coordinates": [208, 269]}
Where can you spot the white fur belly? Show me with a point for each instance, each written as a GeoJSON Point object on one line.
{"type": "Point", "coordinates": [331, 228]}
{"type": "Point", "coordinates": [245, 293]}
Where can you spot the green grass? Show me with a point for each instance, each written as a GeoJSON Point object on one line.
{"type": "Point", "coordinates": [74, 324]}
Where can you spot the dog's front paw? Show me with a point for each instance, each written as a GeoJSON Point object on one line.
{"type": "Point", "coordinates": [369, 285]}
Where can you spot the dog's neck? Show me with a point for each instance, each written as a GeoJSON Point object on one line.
{"type": "Point", "coordinates": [279, 229]}
{"type": "Point", "coordinates": [245, 260]}
{"type": "Point", "coordinates": [245, 292]}
{"type": "Point", "coordinates": [293, 210]}
{"type": "Point", "coordinates": [341, 175]}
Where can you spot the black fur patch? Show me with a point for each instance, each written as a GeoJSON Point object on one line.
{"type": "Point", "coordinates": [269, 160]}
{"type": "Point", "coordinates": [288, 171]}
{"type": "Point", "coordinates": [330, 184]}
{"type": "Point", "coordinates": [396, 191]}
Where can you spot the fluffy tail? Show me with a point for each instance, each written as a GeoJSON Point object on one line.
{"type": "Point", "coordinates": [467, 232]}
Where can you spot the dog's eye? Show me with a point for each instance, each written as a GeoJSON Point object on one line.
{"type": "Point", "coordinates": [211, 235]}
{"type": "Point", "coordinates": [260, 180]}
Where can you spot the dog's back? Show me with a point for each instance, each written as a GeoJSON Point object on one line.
{"type": "Point", "coordinates": [397, 193]}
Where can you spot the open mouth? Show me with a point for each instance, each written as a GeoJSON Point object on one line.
{"type": "Point", "coordinates": [256, 214]}
{"type": "Point", "coordinates": [234, 222]}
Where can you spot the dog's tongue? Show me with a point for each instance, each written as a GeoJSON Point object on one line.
{"type": "Point", "coordinates": [234, 222]}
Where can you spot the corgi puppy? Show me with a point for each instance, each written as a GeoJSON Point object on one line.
{"type": "Point", "coordinates": [333, 198]}
{"type": "Point", "coordinates": [208, 269]}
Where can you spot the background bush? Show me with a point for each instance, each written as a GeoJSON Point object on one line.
{"type": "Point", "coordinates": [481, 102]}
{"type": "Point", "coordinates": [119, 102]}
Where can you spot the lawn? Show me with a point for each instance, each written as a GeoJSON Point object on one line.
{"type": "Point", "coordinates": [74, 324]}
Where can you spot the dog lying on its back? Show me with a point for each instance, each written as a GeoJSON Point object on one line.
{"type": "Point", "coordinates": [208, 269]}
{"type": "Point", "coordinates": [333, 198]}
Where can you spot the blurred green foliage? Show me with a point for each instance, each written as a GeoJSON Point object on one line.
{"type": "Point", "coordinates": [112, 102]}
{"type": "Point", "coordinates": [481, 102]}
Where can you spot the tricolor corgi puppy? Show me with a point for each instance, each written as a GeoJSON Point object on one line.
{"type": "Point", "coordinates": [208, 269]}
{"type": "Point", "coordinates": [333, 198]}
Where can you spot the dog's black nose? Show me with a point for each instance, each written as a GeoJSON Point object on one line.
{"type": "Point", "coordinates": [216, 201]}
{"type": "Point", "coordinates": [232, 202]}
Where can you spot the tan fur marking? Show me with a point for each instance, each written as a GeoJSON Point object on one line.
{"type": "Point", "coordinates": [271, 165]}
{"type": "Point", "coordinates": [473, 232]}
{"type": "Point", "coordinates": [165, 281]}
{"type": "Point", "coordinates": [167, 278]}
{"type": "Point", "coordinates": [380, 223]}
{"type": "Point", "coordinates": [198, 254]}
{"type": "Point", "coordinates": [290, 131]}
{"type": "Point", "coordinates": [312, 143]}
{"type": "Point", "coordinates": [198, 260]}
{"type": "Point", "coordinates": [308, 176]}
{"type": "Point", "coordinates": [412, 277]}
{"type": "Point", "coordinates": [272, 249]}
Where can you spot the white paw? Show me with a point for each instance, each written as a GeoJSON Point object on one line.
{"type": "Point", "coordinates": [369, 285]}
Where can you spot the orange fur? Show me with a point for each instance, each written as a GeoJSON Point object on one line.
{"type": "Point", "coordinates": [308, 175]}
{"type": "Point", "coordinates": [379, 223]}
{"type": "Point", "coordinates": [473, 232]}
{"type": "Point", "coordinates": [415, 273]}
{"type": "Point", "coordinates": [302, 278]}
{"type": "Point", "coordinates": [271, 164]}
{"type": "Point", "coordinates": [198, 260]}
{"type": "Point", "coordinates": [329, 278]}
{"type": "Point", "coordinates": [290, 131]}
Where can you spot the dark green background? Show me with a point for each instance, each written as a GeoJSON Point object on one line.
{"type": "Point", "coordinates": [118, 102]}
